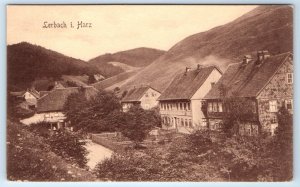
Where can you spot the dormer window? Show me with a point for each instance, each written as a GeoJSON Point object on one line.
{"type": "Point", "coordinates": [289, 77]}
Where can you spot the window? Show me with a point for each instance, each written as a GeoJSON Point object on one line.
{"type": "Point", "coordinates": [273, 119]}
{"type": "Point", "coordinates": [212, 126]}
{"type": "Point", "coordinates": [186, 122]}
{"type": "Point", "coordinates": [184, 106]}
{"type": "Point", "coordinates": [189, 106]}
{"type": "Point", "coordinates": [217, 125]}
{"type": "Point", "coordinates": [248, 131]}
{"type": "Point", "coordinates": [220, 107]}
{"type": "Point", "coordinates": [190, 123]}
{"type": "Point", "coordinates": [212, 84]}
{"type": "Point", "coordinates": [273, 106]}
{"type": "Point", "coordinates": [289, 104]}
{"type": "Point", "coordinates": [254, 130]}
{"type": "Point", "coordinates": [146, 95]}
{"type": "Point", "coordinates": [182, 122]}
{"type": "Point", "coordinates": [177, 106]}
{"type": "Point", "coordinates": [290, 78]}
{"type": "Point", "coordinates": [180, 106]}
{"type": "Point", "coordinates": [215, 107]}
{"type": "Point", "coordinates": [210, 107]}
{"type": "Point", "coordinates": [153, 94]}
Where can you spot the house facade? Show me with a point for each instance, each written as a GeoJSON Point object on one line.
{"type": "Point", "coordinates": [180, 104]}
{"type": "Point", "coordinates": [144, 96]}
{"type": "Point", "coordinates": [28, 98]}
{"type": "Point", "coordinates": [265, 83]}
{"type": "Point", "coordinates": [50, 106]}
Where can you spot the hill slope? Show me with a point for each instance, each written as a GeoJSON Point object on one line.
{"type": "Point", "coordinates": [265, 27]}
{"type": "Point", "coordinates": [139, 57]}
{"type": "Point", "coordinates": [27, 62]}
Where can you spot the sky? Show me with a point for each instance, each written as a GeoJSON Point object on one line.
{"type": "Point", "coordinates": [113, 28]}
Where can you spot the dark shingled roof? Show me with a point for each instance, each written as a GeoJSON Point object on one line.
{"type": "Point", "coordinates": [55, 100]}
{"type": "Point", "coordinates": [247, 80]}
{"type": "Point", "coordinates": [185, 85]}
{"type": "Point", "coordinates": [135, 94]}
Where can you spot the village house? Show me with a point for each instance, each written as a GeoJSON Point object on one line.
{"type": "Point", "coordinates": [50, 106]}
{"type": "Point", "coordinates": [266, 82]}
{"type": "Point", "coordinates": [180, 103]}
{"type": "Point", "coordinates": [144, 96]}
{"type": "Point", "coordinates": [28, 98]}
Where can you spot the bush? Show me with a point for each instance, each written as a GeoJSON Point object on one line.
{"type": "Point", "coordinates": [25, 159]}
{"type": "Point", "coordinates": [69, 146]}
{"type": "Point", "coordinates": [137, 123]}
{"type": "Point", "coordinates": [200, 141]}
{"type": "Point", "coordinates": [41, 128]}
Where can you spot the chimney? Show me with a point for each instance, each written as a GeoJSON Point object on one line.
{"type": "Point", "coordinates": [199, 66]}
{"type": "Point", "coordinates": [262, 55]}
{"type": "Point", "coordinates": [247, 59]}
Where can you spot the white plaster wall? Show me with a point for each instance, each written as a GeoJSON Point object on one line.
{"type": "Point", "coordinates": [200, 93]}
{"type": "Point", "coordinates": [150, 101]}
{"type": "Point", "coordinates": [197, 114]}
{"type": "Point", "coordinates": [206, 86]}
{"type": "Point", "coordinates": [52, 117]}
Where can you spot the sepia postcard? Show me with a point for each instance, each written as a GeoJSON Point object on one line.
{"type": "Point", "coordinates": [160, 93]}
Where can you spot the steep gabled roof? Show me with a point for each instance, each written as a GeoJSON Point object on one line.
{"type": "Point", "coordinates": [34, 93]}
{"type": "Point", "coordinates": [246, 80]}
{"type": "Point", "coordinates": [55, 100]}
{"type": "Point", "coordinates": [135, 94]}
{"type": "Point", "coordinates": [185, 85]}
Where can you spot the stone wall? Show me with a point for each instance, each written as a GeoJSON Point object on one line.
{"type": "Point", "coordinates": [277, 90]}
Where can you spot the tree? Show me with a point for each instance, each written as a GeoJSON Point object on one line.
{"type": "Point", "coordinates": [138, 123]}
{"type": "Point", "coordinates": [69, 146]}
{"type": "Point", "coordinates": [91, 79]}
{"type": "Point", "coordinates": [93, 115]}
{"type": "Point", "coordinates": [281, 147]}
{"type": "Point", "coordinates": [237, 110]}
{"type": "Point", "coordinates": [117, 89]}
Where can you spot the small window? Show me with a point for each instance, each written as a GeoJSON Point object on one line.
{"type": "Point", "coordinates": [210, 107]}
{"type": "Point", "coordinates": [180, 106]}
{"type": "Point", "coordinates": [290, 78]}
{"type": "Point", "coordinates": [220, 107]}
{"type": "Point", "coordinates": [215, 107]}
{"type": "Point", "coordinates": [273, 119]}
{"type": "Point", "coordinates": [184, 106]}
{"type": "Point", "coordinates": [212, 84]}
{"type": "Point", "coordinates": [182, 122]}
{"type": "Point", "coordinates": [212, 126]}
{"type": "Point", "coordinates": [186, 122]}
{"type": "Point", "coordinates": [177, 107]}
{"type": "Point", "coordinates": [248, 131]}
{"type": "Point", "coordinates": [255, 130]}
{"type": "Point", "coordinates": [153, 94]}
{"type": "Point", "coordinates": [190, 123]}
{"type": "Point", "coordinates": [189, 106]}
{"type": "Point", "coordinates": [289, 104]}
{"type": "Point", "coordinates": [273, 106]}
{"type": "Point", "coordinates": [146, 95]}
